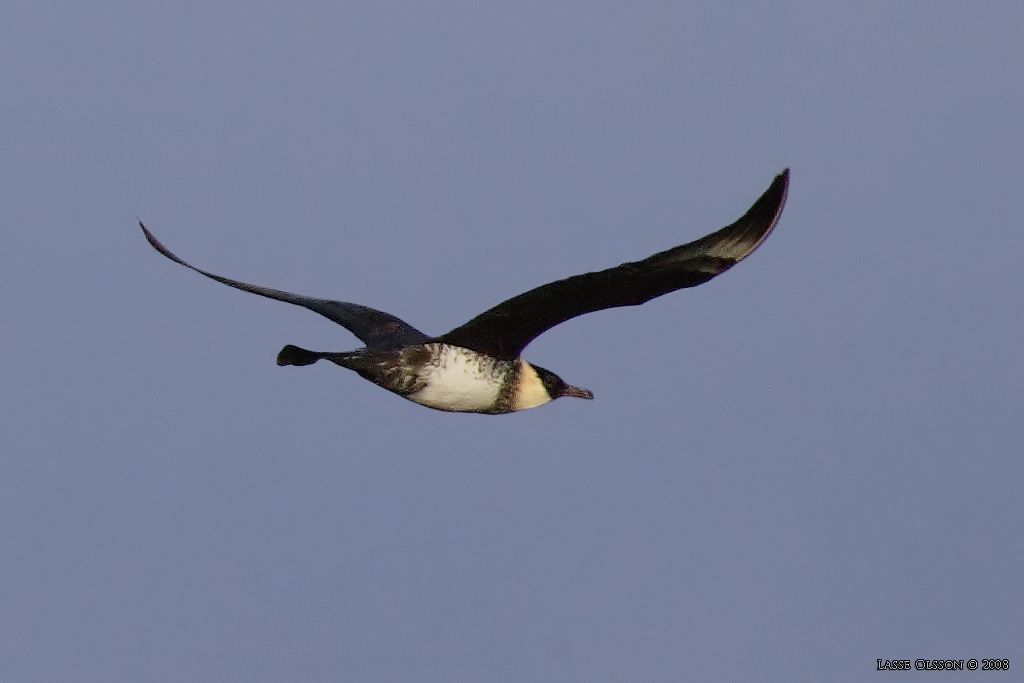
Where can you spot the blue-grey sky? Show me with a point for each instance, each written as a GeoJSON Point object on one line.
{"type": "Point", "coordinates": [810, 463]}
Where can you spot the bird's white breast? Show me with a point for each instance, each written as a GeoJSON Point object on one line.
{"type": "Point", "coordinates": [460, 380]}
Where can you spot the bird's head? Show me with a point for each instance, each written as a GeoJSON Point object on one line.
{"type": "Point", "coordinates": [556, 387]}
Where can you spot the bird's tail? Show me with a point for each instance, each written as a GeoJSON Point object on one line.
{"type": "Point", "coordinates": [293, 355]}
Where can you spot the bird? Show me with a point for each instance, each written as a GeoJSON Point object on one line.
{"type": "Point", "coordinates": [478, 367]}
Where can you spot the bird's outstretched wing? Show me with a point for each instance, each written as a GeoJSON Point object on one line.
{"type": "Point", "coordinates": [377, 329]}
{"type": "Point", "coordinates": [506, 329]}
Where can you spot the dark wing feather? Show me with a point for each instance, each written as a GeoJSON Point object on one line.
{"type": "Point", "coordinates": [377, 329]}
{"type": "Point", "coordinates": [506, 329]}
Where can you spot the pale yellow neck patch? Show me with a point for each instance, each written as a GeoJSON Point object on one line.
{"type": "Point", "coordinates": [530, 391]}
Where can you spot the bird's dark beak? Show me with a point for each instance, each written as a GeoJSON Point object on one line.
{"type": "Point", "coordinates": [578, 392]}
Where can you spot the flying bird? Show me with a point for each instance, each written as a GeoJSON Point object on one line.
{"type": "Point", "coordinates": [478, 367]}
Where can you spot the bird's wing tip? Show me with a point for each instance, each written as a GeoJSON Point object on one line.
{"type": "Point", "coordinates": [158, 245]}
